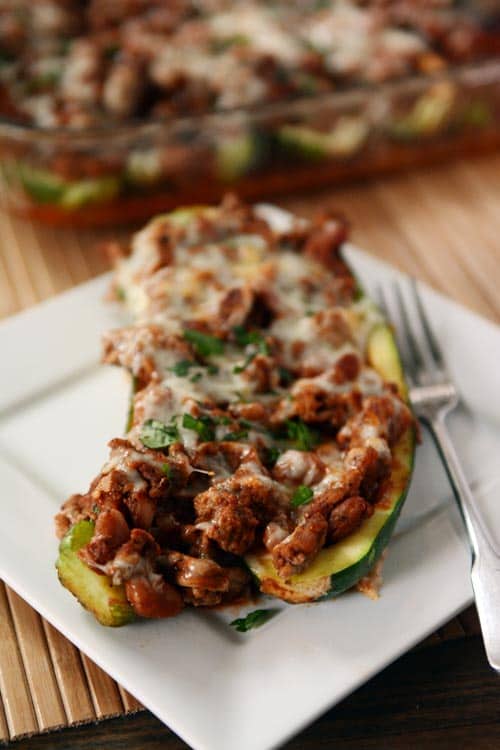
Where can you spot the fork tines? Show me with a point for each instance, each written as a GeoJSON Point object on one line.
{"type": "Point", "coordinates": [418, 346]}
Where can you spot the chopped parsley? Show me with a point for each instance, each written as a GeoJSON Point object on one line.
{"type": "Point", "coordinates": [203, 425]}
{"type": "Point", "coordinates": [222, 420]}
{"type": "Point", "coordinates": [301, 496]}
{"type": "Point", "coordinates": [286, 376]}
{"type": "Point", "coordinates": [167, 470]}
{"type": "Point", "coordinates": [182, 368]}
{"type": "Point", "coordinates": [156, 434]}
{"type": "Point", "coordinates": [241, 368]}
{"type": "Point", "coordinates": [303, 437]}
{"type": "Point", "coordinates": [254, 426]}
{"type": "Point", "coordinates": [244, 338]}
{"type": "Point", "coordinates": [204, 344]}
{"type": "Point", "coordinates": [239, 435]}
{"type": "Point", "coordinates": [272, 455]}
{"type": "Point", "coordinates": [252, 620]}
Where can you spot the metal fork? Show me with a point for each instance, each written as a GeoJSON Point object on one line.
{"type": "Point", "coordinates": [433, 395]}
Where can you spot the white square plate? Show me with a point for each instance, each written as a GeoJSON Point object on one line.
{"type": "Point", "coordinates": [216, 688]}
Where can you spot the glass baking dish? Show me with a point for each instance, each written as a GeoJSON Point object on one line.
{"type": "Point", "coordinates": [123, 174]}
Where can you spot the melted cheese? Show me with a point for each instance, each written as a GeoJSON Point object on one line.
{"type": "Point", "coordinates": [190, 288]}
{"type": "Point", "coordinates": [352, 41]}
{"type": "Point", "coordinates": [254, 23]}
{"type": "Point", "coordinates": [120, 460]}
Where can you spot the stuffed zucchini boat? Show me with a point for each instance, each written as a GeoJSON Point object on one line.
{"type": "Point", "coordinates": [269, 438]}
{"type": "Point", "coordinates": [343, 565]}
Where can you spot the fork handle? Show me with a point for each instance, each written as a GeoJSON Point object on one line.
{"type": "Point", "coordinates": [485, 571]}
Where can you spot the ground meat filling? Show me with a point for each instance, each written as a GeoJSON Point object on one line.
{"type": "Point", "coordinates": [67, 63]}
{"type": "Point", "coordinates": [256, 421]}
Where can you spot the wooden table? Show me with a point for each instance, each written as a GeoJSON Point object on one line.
{"type": "Point", "coordinates": [443, 226]}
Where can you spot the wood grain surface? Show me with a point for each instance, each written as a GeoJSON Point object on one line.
{"type": "Point", "coordinates": [443, 226]}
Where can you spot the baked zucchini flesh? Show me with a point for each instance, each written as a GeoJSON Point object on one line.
{"type": "Point", "coordinates": [345, 139]}
{"type": "Point", "coordinates": [94, 591]}
{"type": "Point", "coordinates": [430, 114]}
{"type": "Point", "coordinates": [268, 438]}
{"type": "Point", "coordinates": [46, 187]}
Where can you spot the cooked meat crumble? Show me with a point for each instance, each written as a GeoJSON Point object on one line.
{"type": "Point", "coordinates": [257, 421]}
{"type": "Point", "coordinates": [81, 64]}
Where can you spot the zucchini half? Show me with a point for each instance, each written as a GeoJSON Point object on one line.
{"type": "Point", "coordinates": [345, 139]}
{"type": "Point", "coordinates": [95, 592]}
{"type": "Point", "coordinates": [430, 114]}
{"type": "Point", "coordinates": [342, 565]}
{"type": "Point", "coordinates": [334, 570]}
{"type": "Point", "coordinates": [46, 187]}
{"type": "Point", "coordinates": [238, 155]}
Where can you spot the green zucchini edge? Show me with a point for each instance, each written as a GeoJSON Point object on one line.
{"type": "Point", "coordinates": [336, 568]}
{"type": "Point", "coordinates": [95, 592]}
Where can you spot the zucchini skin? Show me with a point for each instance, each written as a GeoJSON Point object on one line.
{"type": "Point", "coordinates": [344, 141]}
{"type": "Point", "coordinates": [238, 156]}
{"type": "Point", "coordinates": [311, 586]}
{"type": "Point", "coordinates": [345, 579]}
{"type": "Point", "coordinates": [46, 187]}
{"type": "Point", "coordinates": [95, 592]}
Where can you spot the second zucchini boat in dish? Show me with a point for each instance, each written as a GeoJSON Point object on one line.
{"type": "Point", "coordinates": [269, 438]}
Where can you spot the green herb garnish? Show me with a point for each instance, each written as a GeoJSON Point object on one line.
{"type": "Point", "coordinates": [156, 434]}
{"type": "Point", "coordinates": [239, 435]}
{"type": "Point", "coordinates": [167, 470]}
{"type": "Point", "coordinates": [286, 376]}
{"type": "Point", "coordinates": [182, 368]}
{"type": "Point", "coordinates": [204, 343]}
{"type": "Point", "coordinates": [272, 455]}
{"type": "Point", "coordinates": [253, 620]}
{"type": "Point", "coordinates": [240, 368]}
{"type": "Point", "coordinates": [254, 426]}
{"type": "Point", "coordinates": [222, 420]}
{"type": "Point", "coordinates": [203, 425]}
{"type": "Point", "coordinates": [244, 338]}
{"type": "Point", "coordinates": [303, 437]}
{"type": "Point", "coordinates": [301, 496]}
